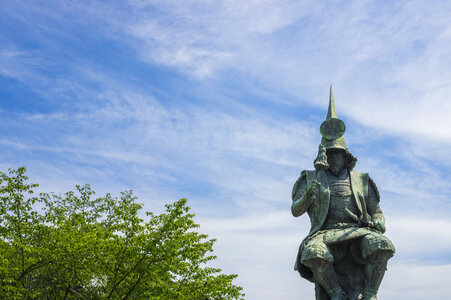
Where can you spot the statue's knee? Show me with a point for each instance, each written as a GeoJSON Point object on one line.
{"type": "Point", "coordinates": [316, 253]}
{"type": "Point", "coordinates": [379, 257]}
{"type": "Point", "coordinates": [317, 265]}
{"type": "Point", "coordinates": [313, 263]}
{"type": "Point", "coordinates": [378, 245]}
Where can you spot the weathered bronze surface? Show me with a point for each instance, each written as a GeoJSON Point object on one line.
{"type": "Point", "coordinates": [345, 253]}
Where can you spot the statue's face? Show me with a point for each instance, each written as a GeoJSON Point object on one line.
{"type": "Point", "coordinates": [336, 159]}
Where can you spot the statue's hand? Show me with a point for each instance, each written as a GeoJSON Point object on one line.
{"type": "Point", "coordinates": [376, 224]}
{"type": "Point", "coordinates": [379, 226]}
{"type": "Point", "coordinates": [312, 189]}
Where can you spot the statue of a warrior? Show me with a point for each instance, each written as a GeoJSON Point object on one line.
{"type": "Point", "coordinates": [345, 253]}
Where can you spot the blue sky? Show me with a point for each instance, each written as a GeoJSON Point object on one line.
{"type": "Point", "coordinates": [221, 101]}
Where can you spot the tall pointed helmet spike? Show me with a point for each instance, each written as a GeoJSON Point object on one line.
{"type": "Point", "coordinates": [331, 113]}
{"type": "Point", "coordinates": [333, 128]}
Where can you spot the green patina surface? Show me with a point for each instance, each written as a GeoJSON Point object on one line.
{"type": "Point", "coordinates": [345, 253]}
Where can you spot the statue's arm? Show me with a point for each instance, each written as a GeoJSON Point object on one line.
{"type": "Point", "coordinates": [300, 196]}
{"type": "Point", "coordinates": [374, 208]}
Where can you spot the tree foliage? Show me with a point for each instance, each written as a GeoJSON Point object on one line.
{"type": "Point", "coordinates": [76, 246]}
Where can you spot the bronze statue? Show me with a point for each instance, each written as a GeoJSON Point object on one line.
{"type": "Point", "coordinates": [345, 253]}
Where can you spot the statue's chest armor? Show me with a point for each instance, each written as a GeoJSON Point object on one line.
{"type": "Point", "coordinates": [341, 198]}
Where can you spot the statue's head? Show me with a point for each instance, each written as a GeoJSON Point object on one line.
{"type": "Point", "coordinates": [336, 159]}
{"type": "Point", "coordinates": [333, 141]}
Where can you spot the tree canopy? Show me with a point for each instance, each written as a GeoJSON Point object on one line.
{"type": "Point", "coordinates": [77, 246]}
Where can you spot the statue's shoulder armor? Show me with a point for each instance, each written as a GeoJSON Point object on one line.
{"type": "Point", "coordinates": [373, 185]}
{"type": "Point", "coordinates": [303, 178]}
{"type": "Point", "coordinates": [363, 177]}
{"type": "Point", "coordinates": [367, 183]}
{"type": "Point", "coordinates": [359, 174]}
{"type": "Point", "coordinates": [360, 181]}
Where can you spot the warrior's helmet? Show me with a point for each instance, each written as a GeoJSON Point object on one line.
{"type": "Point", "coordinates": [332, 130]}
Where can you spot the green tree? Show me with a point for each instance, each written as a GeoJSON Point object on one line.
{"type": "Point", "coordinates": [76, 246]}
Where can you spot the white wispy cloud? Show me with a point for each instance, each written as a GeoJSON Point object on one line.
{"type": "Point", "coordinates": [388, 61]}
{"type": "Point", "coordinates": [112, 125]}
{"type": "Point", "coordinates": [16, 62]}
{"type": "Point", "coordinates": [208, 36]}
{"type": "Point", "coordinates": [415, 281]}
